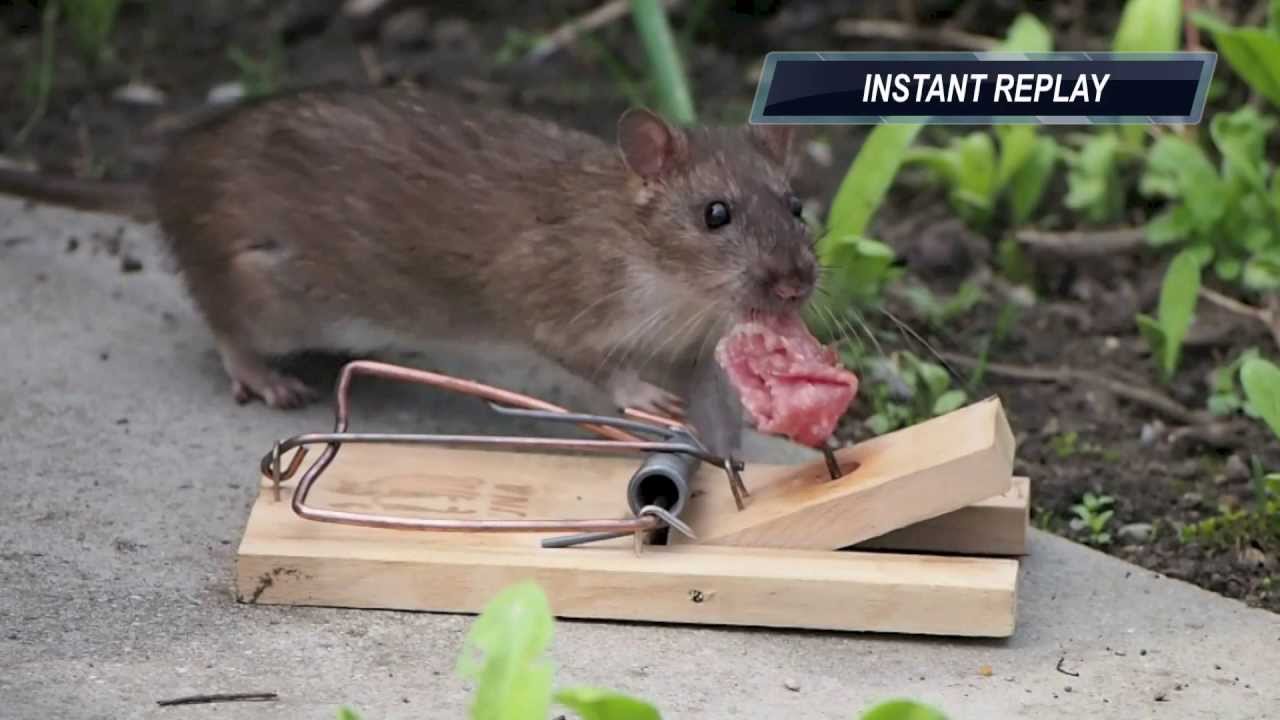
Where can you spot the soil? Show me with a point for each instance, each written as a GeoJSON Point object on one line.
{"type": "Point", "coordinates": [1073, 437]}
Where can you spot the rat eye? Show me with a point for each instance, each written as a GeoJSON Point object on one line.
{"type": "Point", "coordinates": [717, 215]}
{"type": "Point", "coordinates": [797, 207]}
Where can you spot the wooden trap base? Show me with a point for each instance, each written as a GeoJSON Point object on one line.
{"type": "Point", "coordinates": [284, 559]}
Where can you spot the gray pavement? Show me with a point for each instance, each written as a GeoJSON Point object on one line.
{"type": "Point", "coordinates": [126, 474]}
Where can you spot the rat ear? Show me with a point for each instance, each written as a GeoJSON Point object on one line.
{"type": "Point", "coordinates": [650, 146]}
{"type": "Point", "coordinates": [777, 141]}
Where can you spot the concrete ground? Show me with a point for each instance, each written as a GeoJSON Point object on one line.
{"type": "Point", "coordinates": [126, 474]}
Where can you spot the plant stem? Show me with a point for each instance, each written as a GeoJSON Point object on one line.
{"type": "Point", "coordinates": [44, 76]}
{"type": "Point", "coordinates": [669, 77]}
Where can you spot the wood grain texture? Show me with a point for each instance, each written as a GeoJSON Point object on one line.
{"type": "Point", "coordinates": [995, 526]}
{"type": "Point", "coordinates": [284, 559]}
{"type": "Point", "coordinates": [901, 478]}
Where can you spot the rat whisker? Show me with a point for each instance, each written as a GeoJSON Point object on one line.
{"type": "Point", "coordinates": [857, 316]}
{"type": "Point", "coordinates": [906, 329]}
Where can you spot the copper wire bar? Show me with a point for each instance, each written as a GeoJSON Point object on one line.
{"type": "Point", "coordinates": [620, 440]}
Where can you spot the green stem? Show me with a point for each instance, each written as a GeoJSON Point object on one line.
{"type": "Point", "coordinates": [664, 60]}
{"type": "Point", "coordinates": [44, 74]}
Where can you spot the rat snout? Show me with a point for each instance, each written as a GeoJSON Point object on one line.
{"type": "Point", "coordinates": [788, 284]}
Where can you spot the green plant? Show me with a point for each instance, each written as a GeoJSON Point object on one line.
{"type": "Point", "coordinates": [91, 23]}
{"type": "Point", "coordinates": [1261, 382]}
{"type": "Point", "coordinates": [857, 267]}
{"type": "Point", "coordinates": [39, 79]}
{"type": "Point", "coordinates": [1014, 169]}
{"type": "Point", "coordinates": [1233, 528]}
{"type": "Point", "coordinates": [1165, 332]}
{"type": "Point", "coordinates": [504, 655]}
{"type": "Point", "coordinates": [903, 710]}
{"type": "Point", "coordinates": [1093, 516]}
{"type": "Point", "coordinates": [980, 176]}
{"type": "Point", "coordinates": [1253, 53]}
{"type": "Point", "coordinates": [1093, 176]}
{"type": "Point", "coordinates": [670, 82]}
{"type": "Point", "coordinates": [937, 310]}
{"type": "Point", "coordinates": [1225, 394]}
{"type": "Point", "coordinates": [906, 390]}
{"type": "Point", "coordinates": [1227, 216]}
{"type": "Point", "coordinates": [1151, 26]}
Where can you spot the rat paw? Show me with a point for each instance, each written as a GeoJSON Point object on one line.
{"type": "Point", "coordinates": [279, 391]}
{"type": "Point", "coordinates": [252, 378]}
{"type": "Point", "coordinates": [629, 391]}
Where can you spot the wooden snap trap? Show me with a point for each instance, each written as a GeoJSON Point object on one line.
{"type": "Point", "coordinates": [916, 531]}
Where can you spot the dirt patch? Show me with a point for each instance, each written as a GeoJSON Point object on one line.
{"type": "Point", "coordinates": [1073, 438]}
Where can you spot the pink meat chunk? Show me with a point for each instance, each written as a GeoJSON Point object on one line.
{"type": "Point", "coordinates": [790, 384]}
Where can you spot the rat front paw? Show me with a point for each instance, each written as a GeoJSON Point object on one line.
{"type": "Point", "coordinates": [629, 391]}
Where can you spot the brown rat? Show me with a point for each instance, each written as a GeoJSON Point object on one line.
{"type": "Point", "coordinates": [359, 219]}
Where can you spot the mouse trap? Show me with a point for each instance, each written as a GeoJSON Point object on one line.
{"type": "Point", "coordinates": [917, 531]}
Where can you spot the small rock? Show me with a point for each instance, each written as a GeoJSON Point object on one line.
{"type": "Point", "coordinates": [139, 93]}
{"type": "Point", "coordinates": [406, 29]}
{"type": "Point", "coordinates": [1151, 433]}
{"type": "Point", "coordinates": [1251, 558]}
{"type": "Point", "coordinates": [225, 93]}
{"type": "Point", "coordinates": [791, 684]}
{"type": "Point", "coordinates": [1135, 532]}
{"type": "Point", "coordinates": [1236, 469]}
{"type": "Point", "coordinates": [130, 264]}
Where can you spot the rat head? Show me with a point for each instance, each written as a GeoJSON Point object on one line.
{"type": "Point", "coordinates": [723, 222]}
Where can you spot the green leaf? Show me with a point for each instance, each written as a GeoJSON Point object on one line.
{"type": "Point", "coordinates": [859, 268]}
{"type": "Point", "coordinates": [948, 401]}
{"type": "Point", "coordinates": [593, 704]}
{"type": "Point", "coordinates": [1149, 26]}
{"type": "Point", "coordinates": [1177, 305]}
{"type": "Point", "coordinates": [1241, 137]}
{"type": "Point", "coordinates": [934, 377]}
{"type": "Point", "coordinates": [503, 655]}
{"type": "Point", "coordinates": [903, 710]}
{"type": "Point", "coordinates": [1032, 179]}
{"type": "Point", "coordinates": [1253, 53]}
{"type": "Point", "coordinates": [665, 66]}
{"type": "Point", "coordinates": [347, 714]}
{"type": "Point", "coordinates": [1261, 382]}
{"type": "Point", "coordinates": [1016, 145]}
{"type": "Point", "coordinates": [1091, 177]}
{"type": "Point", "coordinates": [1178, 168]}
{"type": "Point", "coordinates": [977, 186]}
{"type": "Point", "coordinates": [880, 424]}
{"type": "Point", "coordinates": [1171, 226]}
{"type": "Point", "coordinates": [1027, 35]}
{"type": "Point", "coordinates": [1228, 268]}
{"type": "Point", "coordinates": [1262, 271]}
{"type": "Point", "coordinates": [868, 179]}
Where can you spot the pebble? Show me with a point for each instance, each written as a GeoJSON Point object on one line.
{"type": "Point", "coordinates": [225, 93]}
{"type": "Point", "coordinates": [1135, 532]}
{"type": "Point", "coordinates": [1151, 433]}
{"type": "Point", "coordinates": [791, 684]}
{"type": "Point", "coordinates": [139, 93]}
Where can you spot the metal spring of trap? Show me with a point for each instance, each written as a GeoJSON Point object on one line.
{"type": "Point", "coordinates": [656, 494]}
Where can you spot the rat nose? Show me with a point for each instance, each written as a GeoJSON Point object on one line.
{"type": "Point", "coordinates": [788, 290]}
{"type": "Point", "coordinates": [790, 287]}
